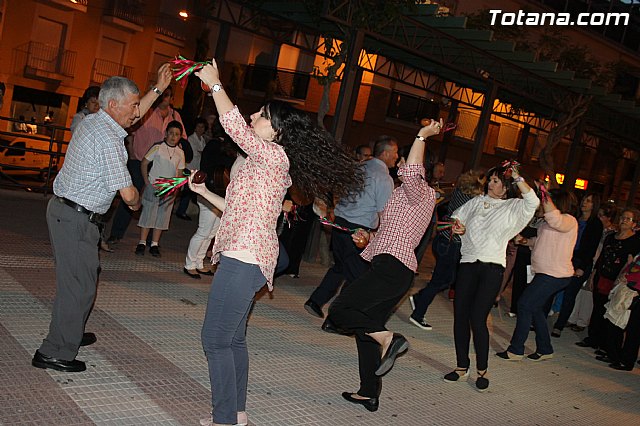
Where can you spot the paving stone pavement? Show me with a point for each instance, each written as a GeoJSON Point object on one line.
{"type": "Point", "coordinates": [148, 366]}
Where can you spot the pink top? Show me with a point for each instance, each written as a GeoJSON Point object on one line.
{"type": "Point", "coordinates": [151, 130]}
{"type": "Point", "coordinates": [254, 197]}
{"type": "Point", "coordinates": [553, 247]}
{"type": "Point", "coordinates": [405, 218]}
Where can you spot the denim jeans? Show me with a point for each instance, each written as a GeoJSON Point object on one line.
{"type": "Point", "coordinates": [531, 307]}
{"type": "Point", "coordinates": [224, 335]}
{"type": "Point", "coordinates": [569, 299]}
{"type": "Point", "coordinates": [447, 254]}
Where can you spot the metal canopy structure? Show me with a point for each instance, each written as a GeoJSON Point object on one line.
{"type": "Point", "coordinates": [423, 43]}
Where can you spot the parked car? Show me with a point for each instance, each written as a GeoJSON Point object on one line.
{"type": "Point", "coordinates": [22, 156]}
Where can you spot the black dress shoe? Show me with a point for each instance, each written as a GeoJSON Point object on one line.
{"type": "Point", "coordinates": [370, 404]}
{"type": "Point", "coordinates": [620, 366]}
{"type": "Point", "coordinates": [330, 327]}
{"type": "Point", "coordinates": [42, 361]}
{"type": "Point", "coordinates": [586, 344]}
{"type": "Point", "coordinates": [604, 358]}
{"type": "Point", "coordinates": [88, 339]}
{"type": "Point", "coordinates": [194, 275]}
{"type": "Point", "coordinates": [183, 216]}
{"type": "Point", "coordinates": [313, 308]}
{"type": "Point", "coordinates": [398, 345]}
{"type": "Point", "coordinates": [599, 352]}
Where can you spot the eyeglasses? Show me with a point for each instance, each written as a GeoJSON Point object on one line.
{"type": "Point", "coordinates": [626, 219]}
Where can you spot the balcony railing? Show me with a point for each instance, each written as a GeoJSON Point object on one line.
{"type": "Point", "coordinates": [171, 26]}
{"type": "Point", "coordinates": [42, 60]}
{"type": "Point", "coordinates": [284, 84]}
{"type": "Point", "coordinates": [128, 10]}
{"type": "Point", "coordinates": [103, 69]}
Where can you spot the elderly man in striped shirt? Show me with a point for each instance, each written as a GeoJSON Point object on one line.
{"type": "Point", "coordinates": [94, 170]}
{"type": "Point", "coordinates": [367, 303]}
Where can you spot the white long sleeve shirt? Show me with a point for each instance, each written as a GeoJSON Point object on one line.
{"type": "Point", "coordinates": [490, 224]}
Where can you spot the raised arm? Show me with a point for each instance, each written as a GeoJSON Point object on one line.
{"type": "Point", "coordinates": [416, 154]}
{"type": "Point", "coordinates": [164, 79]}
{"type": "Point", "coordinates": [210, 76]}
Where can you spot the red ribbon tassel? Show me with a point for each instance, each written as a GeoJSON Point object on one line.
{"type": "Point", "coordinates": [183, 67]}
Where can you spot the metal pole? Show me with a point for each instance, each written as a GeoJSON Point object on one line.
{"type": "Point", "coordinates": [348, 86]}
{"type": "Point", "coordinates": [483, 124]}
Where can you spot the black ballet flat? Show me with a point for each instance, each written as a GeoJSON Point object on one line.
{"type": "Point", "coordinates": [370, 404]}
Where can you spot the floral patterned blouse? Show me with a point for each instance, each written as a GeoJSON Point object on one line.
{"type": "Point", "coordinates": [254, 197]}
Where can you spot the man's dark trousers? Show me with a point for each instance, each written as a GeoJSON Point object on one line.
{"type": "Point", "coordinates": [75, 251]}
{"type": "Point", "coordinates": [347, 263]}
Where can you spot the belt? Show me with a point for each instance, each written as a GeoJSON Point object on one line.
{"type": "Point", "coordinates": [93, 217]}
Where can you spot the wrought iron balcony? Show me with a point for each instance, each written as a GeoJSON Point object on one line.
{"type": "Point", "coordinates": [39, 60]}
{"type": "Point", "coordinates": [131, 11]}
{"type": "Point", "coordinates": [103, 69]}
{"type": "Point", "coordinates": [171, 26]}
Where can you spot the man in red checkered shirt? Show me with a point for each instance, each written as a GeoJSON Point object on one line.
{"type": "Point", "coordinates": [367, 303]}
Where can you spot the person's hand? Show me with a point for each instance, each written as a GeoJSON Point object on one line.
{"type": "Point", "coordinates": [578, 273]}
{"type": "Point", "coordinates": [164, 76]}
{"type": "Point", "coordinates": [458, 228]}
{"type": "Point", "coordinates": [136, 206]}
{"type": "Point", "coordinates": [433, 128]}
{"type": "Point", "coordinates": [514, 172]}
{"type": "Point", "coordinates": [198, 188]}
{"type": "Point", "coordinates": [401, 162]}
{"type": "Point", "coordinates": [287, 206]}
{"type": "Point", "coordinates": [360, 238]}
{"type": "Point", "coordinates": [209, 74]}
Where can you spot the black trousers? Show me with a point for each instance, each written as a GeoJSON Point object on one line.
{"type": "Point", "coordinates": [625, 353]}
{"type": "Point", "coordinates": [477, 286]}
{"type": "Point", "coordinates": [365, 306]}
{"type": "Point", "coordinates": [597, 323]}
{"type": "Point", "coordinates": [347, 263]}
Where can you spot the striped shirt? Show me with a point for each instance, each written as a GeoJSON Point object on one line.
{"type": "Point", "coordinates": [458, 199]}
{"type": "Point", "coordinates": [95, 165]}
{"type": "Point", "coordinates": [490, 224]}
{"type": "Point", "coordinates": [404, 219]}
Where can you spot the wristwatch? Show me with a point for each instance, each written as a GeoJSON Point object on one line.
{"type": "Point", "coordinates": [156, 90]}
{"type": "Point", "coordinates": [216, 87]}
{"type": "Point", "coordinates": [422, 138]}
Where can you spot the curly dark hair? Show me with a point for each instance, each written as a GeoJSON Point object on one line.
{"type": "Point", "coordinates": [319, 167]}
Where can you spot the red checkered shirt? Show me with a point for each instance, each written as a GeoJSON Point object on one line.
{"type": "Point", "coordinates": [405, 218]}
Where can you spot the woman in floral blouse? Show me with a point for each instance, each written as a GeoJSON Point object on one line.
{"type": "Point", "coordinates": [283, 146]}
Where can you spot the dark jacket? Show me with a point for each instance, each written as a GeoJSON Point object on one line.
{"type": "Point", "coordinates": [584, 253]}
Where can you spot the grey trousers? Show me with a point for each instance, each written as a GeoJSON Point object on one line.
{"type": "Point", "coordinates": [74, 241]}
{"type": "Point", "coordinates": [224, 335]}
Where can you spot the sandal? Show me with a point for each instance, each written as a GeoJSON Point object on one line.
{"type": "Point", "coordinates": [455, 375]}
{"type": "Point", "coordinates": [482, 383]}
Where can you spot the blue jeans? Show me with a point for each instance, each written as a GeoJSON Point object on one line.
{"type": "Point", "coordinates": [531, 307]}
{"type": "Point", "coordinates": [447, 254]}
{"type": "Point", "coordinates": [224, 335]}
{"type": "Point", "coordinates": [569, 299]}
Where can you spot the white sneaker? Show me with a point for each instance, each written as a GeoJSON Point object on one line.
{"type": "Point", "coordinates": [420, 324]}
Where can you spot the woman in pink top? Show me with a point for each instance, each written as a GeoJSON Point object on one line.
{"type": "Point", "coordinates": [551, 262]}
{"type": "Point", "coordinates": [283, 146]}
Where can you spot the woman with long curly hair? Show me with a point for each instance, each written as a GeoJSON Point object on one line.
{"type": "Point", "coordinates": [283, 147]}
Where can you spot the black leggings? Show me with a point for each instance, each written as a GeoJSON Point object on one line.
{"type": "Point", "coordinates": [477, 286]}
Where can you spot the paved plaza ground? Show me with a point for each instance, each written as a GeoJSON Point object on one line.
{"type": "Point", "coordinates": [148, 366]}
